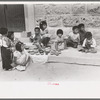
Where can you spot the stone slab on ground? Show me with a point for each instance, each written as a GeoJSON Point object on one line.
{"type": "Point", "coordinates": [72, 55]}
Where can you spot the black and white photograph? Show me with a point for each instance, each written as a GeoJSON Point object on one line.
{"type": "Point", "coordinates": [50, 42]}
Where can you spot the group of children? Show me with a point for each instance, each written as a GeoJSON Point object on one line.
{"type": "Point", "coordinates": [13, 52]}
{"type": "Point", "coordinates": [78, 38]}
{"type": "Point", "coordinates": [14, 55]}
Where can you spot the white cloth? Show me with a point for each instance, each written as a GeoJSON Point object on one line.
{"type": "Point", "coordinates": [3, 42]}
{"type": "Point", "coordinates": [74, 37]}
{"type": "Point", "coordinates": [21, 57]}
{"type": "Point", "coordinates": [92, 42]}
{"type": "Point", "coordinates": [20, 68]}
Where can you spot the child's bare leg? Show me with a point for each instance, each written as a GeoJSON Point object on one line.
{"type": "Point", "coordinates": [56, 46]}
{"type": "Point", "coordinates": [65, 44]}
{"type": "Point", "coordinates": [39, 47]}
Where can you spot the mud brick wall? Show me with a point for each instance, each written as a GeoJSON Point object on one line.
{"type": "Point", "coordinates": [68, 15]}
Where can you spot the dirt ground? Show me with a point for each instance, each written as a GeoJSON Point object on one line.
{"type": "Point", "coordinates": [51, 72]}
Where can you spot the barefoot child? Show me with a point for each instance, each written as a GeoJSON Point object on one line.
{"type": "Point", "coordinates": [89, 43]}
{"type": "Point", "coordinates": [60, 40]}
{"type": "Point", "coordinates": [36, 39]}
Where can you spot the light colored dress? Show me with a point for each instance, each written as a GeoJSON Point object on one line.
{"type": "Point", "coordinates": [21, 58]}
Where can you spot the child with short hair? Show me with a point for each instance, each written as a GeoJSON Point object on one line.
{"type": "Point", "coordinates": [45, 36]}
{"type": "Point", "coordinates": [59, 43]}
{"type": "Point", "coordinates": [89, 43]}
{"type": "Point", "coordinates": [60, 39]}
{"type": "Point", "coordinates": [21, 57]}
{"type": "Point", "coordinates": [82, 32]}
{"type": "Point", "coordinates": [6, 50]}
{"type": "Point", "coordinates": [73, 38]}
{"type": "Point", "coordinates": [36, 39]}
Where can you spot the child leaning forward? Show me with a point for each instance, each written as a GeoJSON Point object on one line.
{"type": "Point", "coordinates": [89, 44]}
{"type": "Point", "coordinates": [21, 57]}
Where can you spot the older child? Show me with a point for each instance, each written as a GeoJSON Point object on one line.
{"type": "Point", "coordinates": [73, 38]}
{"type": "Point", "coordinates": [44, 33]}
{"type": "Point", "coordinates": [89, 43]}
{"type": "Point", "coordinates": [6, 50]}
{"type": "Point", "coordinates": [21, 57]}
{"type": "Point", "coordinates": [82, 33]}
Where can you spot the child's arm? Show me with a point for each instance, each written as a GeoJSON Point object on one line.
{"type": "Point", "coordinates": [32, 38]}
{"type": "Point", "coordinates": [78, 40]}
{"type": "Point", "coordinates": [94, 43]}
{"type": "Point", "coordinates": [84, 42]}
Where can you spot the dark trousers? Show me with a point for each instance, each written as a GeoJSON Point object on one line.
{"type": "Point", "coordinates": [6, 55]}
{"type": "Point", "coordinates": [70, 43]}
{"type": "Point", "coordinates": [45, 41]}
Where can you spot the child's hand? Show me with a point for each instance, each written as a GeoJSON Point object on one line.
{"type": "Point", "coordinates": [16, 40]}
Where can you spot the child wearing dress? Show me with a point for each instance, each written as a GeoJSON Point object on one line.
{"type": "Point", "coordinates": [82, 33]}
{"type": "Point", "coordinates": [6, 50]}
{"type": "Point", "coordinates": [60, 40]}
{"type": "Point", "coordinates": [21, 57]}
{"type": "Point", "coordinates": [45, 36]}
{"type": "Point", "coordinates": [89, 43]}
{"type": "Point", "coordinates": [73, 38]}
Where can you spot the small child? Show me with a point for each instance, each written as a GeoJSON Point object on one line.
{"type": "Point", "coordinates": [21, 57]}
{"type": "Point", "coordinates": [37, 36]}
{"type": "Point", "coordinates": [82, 33]}
{"type": "Point", "coordinates": [45, 37]}
{"type": "Point", "coordinates": [59, 40]}
{"type": "Point", "coordinates": [36, 39]}
{"type": "Point", "coordinates": [89, 43]}
{"type": "Point", "coordinates": [73, 38]}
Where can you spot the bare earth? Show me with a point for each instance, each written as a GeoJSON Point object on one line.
{"type": "Point", "coordinates": [53, 72]}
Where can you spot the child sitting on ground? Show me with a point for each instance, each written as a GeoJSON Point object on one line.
{"type": "Point", "coordinates": [45, 36]}
{"type": "Point", "coordinates": [73, 38]}
{"type": "Point", "coordinates": [82, 33]}
{"type": "Point", "coordinates": [59, 44]}
{"type": "Point", "coordinates": [36, 39]}
{"type": "Point", "coordinates": [60, 40]}
{"type": "Point", "coordinates": [89, 44]}
{"type": "Point", "coordinates": [21, 57]}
